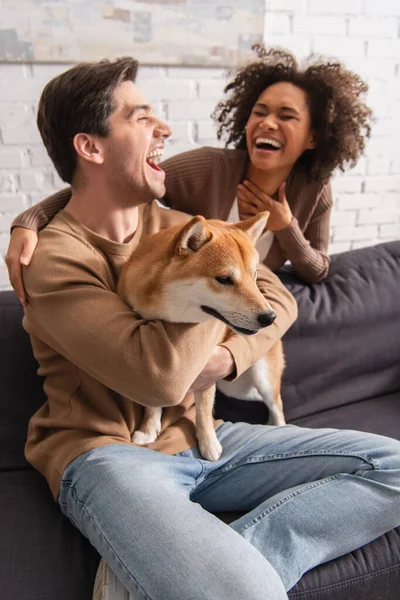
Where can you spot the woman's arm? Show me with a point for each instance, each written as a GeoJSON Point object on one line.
{"type": "Point", "coordinates": [24, 237]}
{"type": "Point", "coordinates": [40, 215]}
{"type": "Point", "coordinates": [20, 251]}
{"type": "Point", "coordinates": [308, 251]}
{"type": "Point", "coordinates": [186, 177]}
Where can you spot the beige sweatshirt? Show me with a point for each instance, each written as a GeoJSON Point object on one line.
{"type": "Point", "coordinates": [204, 181]}
{"type": "Point", "coordinates": [101, 362]}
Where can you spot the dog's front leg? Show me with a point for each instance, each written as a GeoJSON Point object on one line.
{"type": "Point", "coordinates": [276, 416]}
{"type": "Point", "coordinates": [150, 427]}
{"type": "Point", "coordinates": [210, 448]}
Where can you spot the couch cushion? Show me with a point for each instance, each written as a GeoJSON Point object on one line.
{"type": "Point", "coordinates": [375, 415]}
{"type": "Point", "coordinates": [369, 573]}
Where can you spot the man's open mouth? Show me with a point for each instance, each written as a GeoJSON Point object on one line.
{"type": "Point", "coordinates": [267, 143]}
{"type": "Point", "coordinates": [152, 158]}
{"type": "Point", "coordinates": [217, 315]}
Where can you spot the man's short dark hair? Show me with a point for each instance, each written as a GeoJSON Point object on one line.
{"type": "Point", "coordinates": [79, 101]}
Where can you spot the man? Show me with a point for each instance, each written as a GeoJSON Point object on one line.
{"type": "Point", "coordinates": [308, 495]}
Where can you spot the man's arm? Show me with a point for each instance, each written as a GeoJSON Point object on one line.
{"type": "Point", "coordinates": [152, 363]}
{"type": "Point", "coordinates": [246, 350]}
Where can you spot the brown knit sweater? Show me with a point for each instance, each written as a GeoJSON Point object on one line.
{"type": "Point", "coordinates": [204, 181]}
{"type": "Point", "coordinates": [101, 362]}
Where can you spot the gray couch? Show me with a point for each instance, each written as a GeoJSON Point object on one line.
{"type": "Point", "coordinates": [343, 370]}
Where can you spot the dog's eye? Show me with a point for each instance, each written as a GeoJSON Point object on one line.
{"type": "Point", "coordinates": [224, 280]}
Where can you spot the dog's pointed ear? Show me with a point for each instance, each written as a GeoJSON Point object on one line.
{"type": "Point", "coordinates": [254, 226]}
{"type": "Point", "coordinates": [193, 236]}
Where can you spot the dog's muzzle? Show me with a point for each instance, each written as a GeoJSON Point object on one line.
{"type": "Point", "coordinates": [264, 320]}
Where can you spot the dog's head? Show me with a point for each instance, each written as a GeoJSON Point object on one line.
{"type": "Point", "coordinates": [213, 272]}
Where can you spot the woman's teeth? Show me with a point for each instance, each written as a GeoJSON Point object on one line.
{"type": "Point", "coordinates": [268, 143]}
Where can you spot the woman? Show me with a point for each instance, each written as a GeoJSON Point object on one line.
{"type": "Point", "coordinates": [290, 128]}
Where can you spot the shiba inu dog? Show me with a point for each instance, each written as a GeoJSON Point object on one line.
{"type": "Point", "coordinates": [198, 271]}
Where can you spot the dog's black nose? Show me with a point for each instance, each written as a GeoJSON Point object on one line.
{"type": "Point", "coordinates": [266, 318]}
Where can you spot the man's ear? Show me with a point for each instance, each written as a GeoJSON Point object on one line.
{"type": "Point", "coordinates": [193, 236]}
{"type": "Point", "coordinates": [255, 226]}
{"type": "Point", "coordinates": [89, 148]}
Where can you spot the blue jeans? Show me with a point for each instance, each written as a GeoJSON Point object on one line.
{"type": "Point", "coordinates": [309, 495]}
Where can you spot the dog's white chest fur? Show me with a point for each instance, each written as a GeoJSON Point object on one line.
{"type": "Point", "coordinates": [254, 384]}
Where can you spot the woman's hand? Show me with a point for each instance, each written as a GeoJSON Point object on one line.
{"type": "Point", "coordinates": [20, 250]}
{"type": "Point", "coordinates": [220, 365]}
{"type": "Point", "coordinates": [252, 200]}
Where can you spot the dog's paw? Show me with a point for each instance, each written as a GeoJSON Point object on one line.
{"type": "Point", "coordinates": [210, 448]}
{"type": "Point", "coordinates": [141, 437]}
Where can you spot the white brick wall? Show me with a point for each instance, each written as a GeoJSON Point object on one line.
{"type": "Point", "coordinates": [382, 7]}
{"type": "Point", "coordinates": [362, 33]}
{"type": "Point", "coordinates": [338, 7]}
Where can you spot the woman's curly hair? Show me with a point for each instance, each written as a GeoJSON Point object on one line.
{"type": "Point", "coordinates": [339, 117]}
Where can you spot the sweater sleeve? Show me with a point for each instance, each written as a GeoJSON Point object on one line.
{"type": "Point", "coordinates": [308, 251]}
{"type": "Point", "coordinates": [40, 215]}
{"type": "Point", "coordinates": [186, 177]}
{"type": "Point", "coordinates": [73, 311]}
{"type": "Point", "coordinates": [246, 350]}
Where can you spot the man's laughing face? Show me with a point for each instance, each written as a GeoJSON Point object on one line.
{"type": "Point", "coordinates": [134, 145]}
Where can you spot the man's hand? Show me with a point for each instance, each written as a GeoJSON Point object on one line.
{"type": "Point", "coordinates": [220, 365]}
{"type": "Point", "coordinates": [252, 200]}
{"type": "Point", "coordinates": [20, 250]}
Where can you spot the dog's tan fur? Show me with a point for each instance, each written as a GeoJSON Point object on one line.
{"type": "Point", "coordinates": [173, 276]}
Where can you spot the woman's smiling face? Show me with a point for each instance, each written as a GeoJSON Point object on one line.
{"type": "Point", "coordinates": [278, 130]}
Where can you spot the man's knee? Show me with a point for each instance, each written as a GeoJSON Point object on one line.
{"type": "Point", "coordinates": [384, 455]}
{"type": "Point", "coordinates": [246, 582]}
{"type": "Point", "coordinates": [387, 454]}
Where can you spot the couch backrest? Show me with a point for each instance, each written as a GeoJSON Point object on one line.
{"type": "Point", "coordinates": [21, 391]}
{"type": "Point", "coordinates": [345, 345]}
